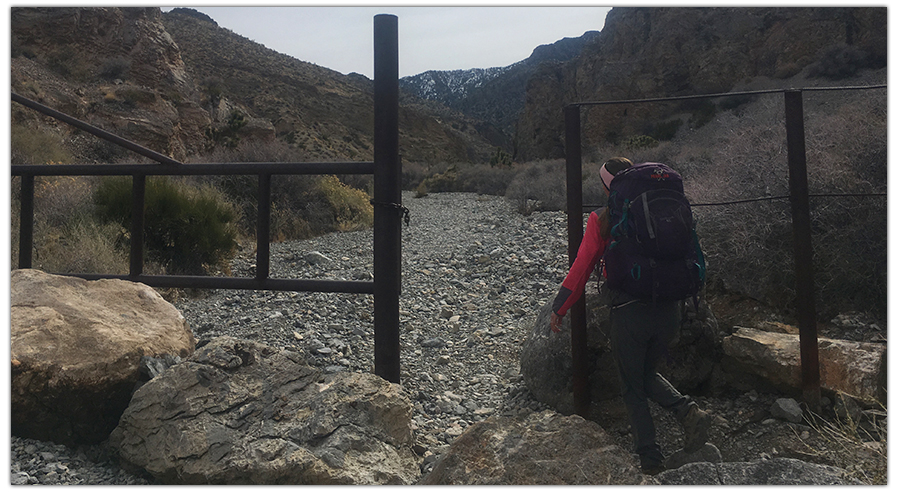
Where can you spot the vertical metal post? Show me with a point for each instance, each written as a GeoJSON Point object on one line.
{"type": "Point", "coordinates": [574, 211]}
{"type": "Point", "coordinates": [803, 254]}
{"type": "Point", "coordinates": [26, 222]}
{"type": "Point", "coordinates": [138, 194]}
{"type": "Point", "coordinates": [387, 200]}
{"type": "Point", "coordinates": [263, 225]}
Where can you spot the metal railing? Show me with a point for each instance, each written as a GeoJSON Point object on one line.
{"type": "Point", "coordinates": [802, 234]}
{"type": "Point", "coordinates": [385, 287]}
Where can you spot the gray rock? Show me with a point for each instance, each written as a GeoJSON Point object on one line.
{"type": "Point", "coordinates": [19, 478]}
{"type": "Point", "coordinates": [708, 453]}
{"type": "Point", "coordinates": [433, 342]}
{"type": "Point", "coordinates": [787, 409]}
{"type": "Point", "coordinates": [240, 412]}
{"type": "Point", "coordinates": [778, 471]}
{"type": "Point", "coordinates": [316, 258]}
{"type": "Point", "coordinates": [542, 448]}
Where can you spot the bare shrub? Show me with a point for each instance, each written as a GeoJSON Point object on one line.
{"type": "Point", "coordinates": [742, 154]}
{"type": "Point", "coordinates": [31, 145]}
{"type": "Point", "coordinates": [750, 246]}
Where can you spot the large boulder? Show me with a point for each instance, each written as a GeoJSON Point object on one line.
{"type": "Point", "coordinates": [542, 448]}
{"type": "Point", "coordinates": [546, 357]}
{"type": "Point", "coordinates": [778, 471]}
{"type": "Point", "coordinates": [855, 368]}
{"type": "Point", "coordinates": [240, 412]}
{"type": "Point", "coordinates": [76, 349]}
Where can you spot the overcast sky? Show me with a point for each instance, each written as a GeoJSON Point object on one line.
{"type": "Point", "coordinates": [430, 38]}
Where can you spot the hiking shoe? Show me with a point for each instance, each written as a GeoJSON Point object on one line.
{"type": "Point", "coordinates": [696, 429]}
{"type": "Point", "coordinates": [651, 467]}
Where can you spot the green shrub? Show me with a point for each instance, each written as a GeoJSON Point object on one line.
{"type": "Point", "coordinates": [501, 158]}
{"type": "Point", "coordinates": [189, 229]}
{"type": "Point", "coordinates": [640, 142]}
{"type": "Point", "coordinates": [227, 135]}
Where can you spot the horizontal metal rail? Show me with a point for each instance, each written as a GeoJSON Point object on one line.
{"type": "Point", "coordinates": [216, 282]}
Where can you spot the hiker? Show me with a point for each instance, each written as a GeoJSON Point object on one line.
{"type": "Point", "coordinates": [640, 329]}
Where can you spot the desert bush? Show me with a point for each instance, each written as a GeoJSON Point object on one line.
{"type": "Point", "coordinates": [640, 142]}
{"type": "Point", "coordinates": [838, 62]}
{"type": "Point", "coordinates": [349, 207]}
{"type": "Point", "coordinates": [501, 158]}
{"type": "Point", "coordinates": [115, 68]}
{"type": "Point", "coordinates": [35, 146]}
{"type": "Point", "coordinates": [188, 229]}
{"type": "Point", "coordinates": [66, 62]}
{"type": "Point", "coordinates": [67, 239]}
{"type": "Point", "coordinates": [750, 246]}
{"type": "Point", "coordinates": [412, 174]}
{"type": "Point", "coordinates": [303, 206]}
{"type": "Point", "coordinates": [541, 185]}
{"type": "Point", "coordinates": [469, 178]}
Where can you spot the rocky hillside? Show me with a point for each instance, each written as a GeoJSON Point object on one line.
{"type": "Point", "coordinates": [661, 52]}
{"type": "Point", "coordinates": [180, 84]}
{"type": "Point", "coordinates": [495, 95]}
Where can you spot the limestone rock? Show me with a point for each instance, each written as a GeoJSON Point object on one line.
{"type": "Point", "coordinates": [542, 448]}
{"type": "Point", "coordinates": [240, 412]}
{"type": "Point", "coordinates": [778, 471]}
{"type": "Point", "coordinates": [76, 349]}
{"type": "Point", "coordinates": [855, 368]}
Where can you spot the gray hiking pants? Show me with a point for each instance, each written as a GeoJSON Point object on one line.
{"type": "Point", "coordinates": [639, 333]}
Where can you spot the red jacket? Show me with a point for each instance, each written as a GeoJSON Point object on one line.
{"type": "Point", "coordinates": [593, 246]}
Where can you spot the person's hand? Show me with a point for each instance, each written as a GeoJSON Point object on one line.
{"type": "Point", "coordinates": [555, 322]}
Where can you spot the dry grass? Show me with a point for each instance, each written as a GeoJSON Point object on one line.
{"type": "Point", "coordinates": [854, 440]}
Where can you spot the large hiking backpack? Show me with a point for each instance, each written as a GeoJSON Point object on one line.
{"type": "Point", "coordinates": [654, 252]}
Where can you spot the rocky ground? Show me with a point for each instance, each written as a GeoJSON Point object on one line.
{"type": "Point", "coordinates": [474, 274]}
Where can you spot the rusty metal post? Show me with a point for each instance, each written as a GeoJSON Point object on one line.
{"type": "Point", "coordinates": [263, 224]}
{"type": "Point", "coordinates": [803, 253]}
{"type": "Point", "coordinates": [26, 222]}
{"type": "Point", "coordinates": [387, 200]}
{"type": "Point", "coordinates": [574, 212]}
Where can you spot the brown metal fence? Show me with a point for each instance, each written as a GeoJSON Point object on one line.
{"type": "Point", "coordinates": [803, 251]}
{"type": "Point", "coordinates": [385, 287]}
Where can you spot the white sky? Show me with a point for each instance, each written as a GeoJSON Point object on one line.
{"type": "Point", "coordinates": [442, 37]}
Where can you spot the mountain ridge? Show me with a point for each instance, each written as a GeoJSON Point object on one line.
{"type": "Point", "coordinates": [495, 95]}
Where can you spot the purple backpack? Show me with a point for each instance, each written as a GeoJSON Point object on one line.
{"type": "Point", "coordinates": [654, 252]}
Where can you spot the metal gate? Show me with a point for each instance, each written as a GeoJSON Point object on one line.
{"type": "Point", "coordinates": [802, 232]}
{"type": "Point", "coordinates": [387, 206]}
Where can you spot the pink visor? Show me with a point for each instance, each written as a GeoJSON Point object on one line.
{"type": "Point", "coordinates": [605, 176]}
